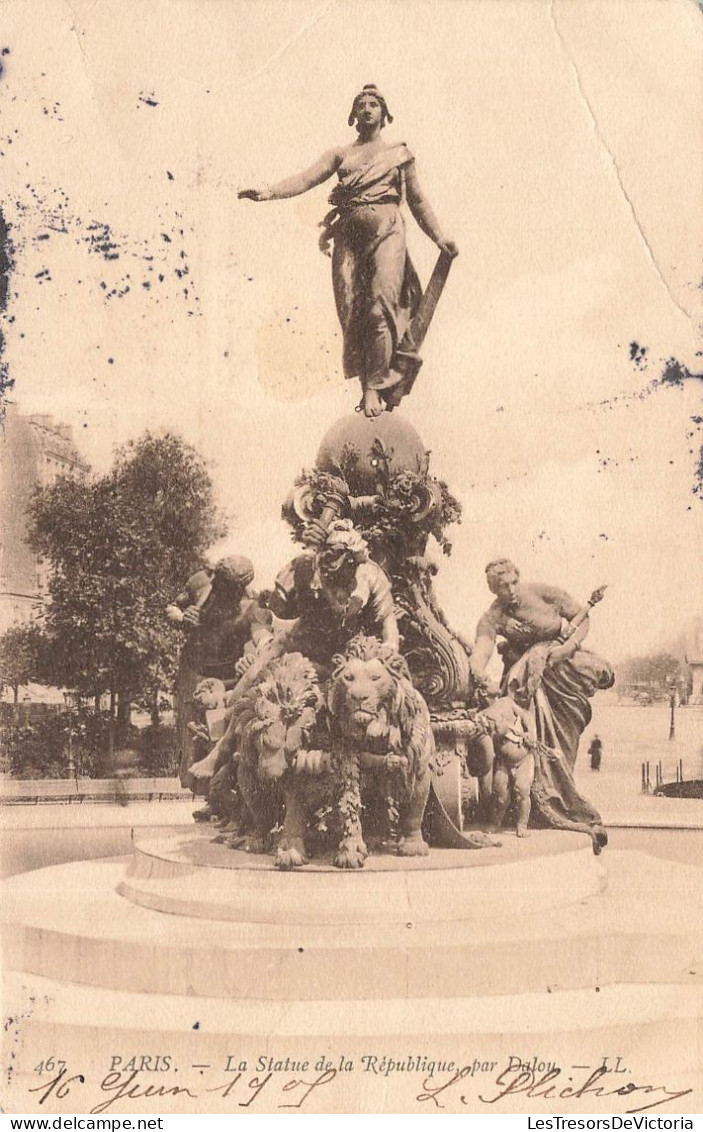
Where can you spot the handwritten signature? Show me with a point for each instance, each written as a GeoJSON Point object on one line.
{"type": "Point", "coordinates": [124, 1086]}
{"type": "Point", "coordinates": [541, 1086]}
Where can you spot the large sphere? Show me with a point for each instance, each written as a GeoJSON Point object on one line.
{"type": "Point", "coordinates": [357, 432]}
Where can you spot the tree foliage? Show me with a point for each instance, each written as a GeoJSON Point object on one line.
{"type": "Point", "coordinates": [655, 671]}
{"type": "Point", "coordinates": [119, 547]}
{"type": "Point", "coordinates": [21, 656]}
{"type": "Point", "coordinates": [38, 747]}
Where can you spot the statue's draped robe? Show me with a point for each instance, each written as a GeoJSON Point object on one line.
{"type": "Point", "coordinates": [376, 288]}
{"type": "Point", "coordinates": [560, 696]}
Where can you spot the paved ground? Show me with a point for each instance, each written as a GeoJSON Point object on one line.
{"type": "Point", "coordinates": [631, 736]}
{"type": "Point", "coordinates": [32, 837]}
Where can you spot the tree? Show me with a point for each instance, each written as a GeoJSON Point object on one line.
{"type": "Point", "coordinates": [656, 672]}
{"type": "Point", "coordinates": [20, 658]}
{"type": "Point", "coordinates": [119, 547]}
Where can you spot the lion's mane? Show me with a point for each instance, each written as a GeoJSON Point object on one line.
{"type": "Point", "coordinates": [402, 711]}
{"type": "Point", "coordinates": [287, 694]}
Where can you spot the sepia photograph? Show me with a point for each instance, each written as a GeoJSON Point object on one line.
{"type": "Point", "coordinates": [351, 558]}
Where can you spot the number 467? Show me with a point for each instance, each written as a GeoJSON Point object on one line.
{"type": "Point", "coordinates": [49, 1065]}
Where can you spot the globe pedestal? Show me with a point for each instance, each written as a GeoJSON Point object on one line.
{"type": "Point", "coordinates": [399, 440]}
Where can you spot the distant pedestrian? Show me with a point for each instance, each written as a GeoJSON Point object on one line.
{"type": "Point", "coordinates": [596, 752]}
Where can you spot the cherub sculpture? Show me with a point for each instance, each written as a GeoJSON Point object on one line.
{"type": "Point", "coordinates": [504, 752]}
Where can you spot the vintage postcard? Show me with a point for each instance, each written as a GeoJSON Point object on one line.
{"type": "Point", "coordinates": [351, 597]}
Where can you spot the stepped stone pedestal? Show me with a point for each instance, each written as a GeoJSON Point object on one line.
{"type": "Point", "coordinates": [190, 965]}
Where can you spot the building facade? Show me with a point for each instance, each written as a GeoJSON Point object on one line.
{"type": "Point", "coordinates": [34, 451]}
{"type": "Point", "coordinates": [694, 659]}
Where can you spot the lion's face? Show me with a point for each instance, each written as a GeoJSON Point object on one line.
{"type": "Point", "coordinates": [361, 689]}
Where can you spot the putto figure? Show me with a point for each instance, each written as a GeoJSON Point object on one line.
{"type": "Point", "coordinates": [505, 750]}
{"type": "Point", "coordinates": [376, 289]}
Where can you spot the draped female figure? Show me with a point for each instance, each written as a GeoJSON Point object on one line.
{"type": "Point", "coordinates": [376, 288]}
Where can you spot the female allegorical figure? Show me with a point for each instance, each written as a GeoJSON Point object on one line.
{"type": "Point", "coordinates": [545, 668]}
{"type": "Point", "coordinates": [376, 288]}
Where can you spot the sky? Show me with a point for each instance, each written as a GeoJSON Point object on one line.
{"type": "Point", "coordinates": [557, 142]}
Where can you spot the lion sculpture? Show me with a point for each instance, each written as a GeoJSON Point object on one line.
{"type": "Point", "coordinates": [374, 751]}
{"type": "Point", "coordinates": [273, 724]}
{"type": "Point", "coordinates": [383, 743]}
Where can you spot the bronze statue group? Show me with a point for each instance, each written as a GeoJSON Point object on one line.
{"type": "Point", "coordinates": [305, 719]}
{"type": "Point", "coordinates": [328, 714]}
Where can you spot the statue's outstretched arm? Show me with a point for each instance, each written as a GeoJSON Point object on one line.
{"type": "Point", "coordinates": [568, 608]}
{"type": "Point", "coordinates": [299, 183]}
{"type": "Point", "coordinates": [373, 587]}
{"type": "Point", "coordinates": [389, 632]}
{"type": "Point", "coordinates": [424, 213]}
{"type": "Point", "coordinates": [483, 647]}
{"type": "Point", "coordinates": [581, 633]}
{"type": "Point", "coordinates": [271, 650]}
{"type": "Point", "coordinates": [572, 644]}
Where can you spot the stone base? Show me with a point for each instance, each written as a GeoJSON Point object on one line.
{"type": "Point", "coordinates": [194, 875]}
{"type": "Point", "coordinates": [194, 954]}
